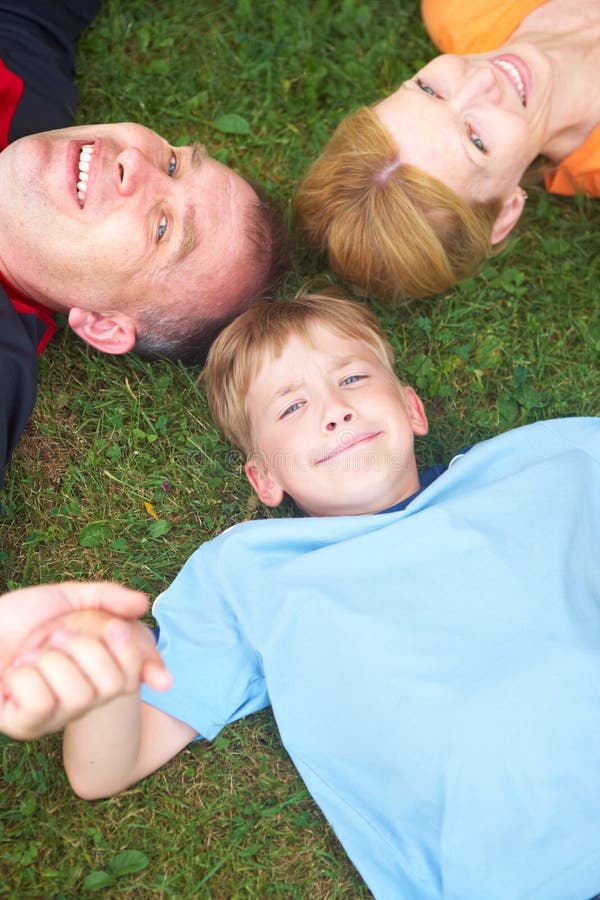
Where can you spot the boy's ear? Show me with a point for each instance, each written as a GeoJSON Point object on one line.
{"type": "Point", "coordinates": [267, 490]}
{"type": "Point", "coordinates": [508, 216]}
{"type": "Point", "coordinates": [114, 333]}
{"type": "Point", "coordinates": [416, 411]}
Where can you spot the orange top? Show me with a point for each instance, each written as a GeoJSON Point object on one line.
{"type": "Point", "coordinates": [476, 26]}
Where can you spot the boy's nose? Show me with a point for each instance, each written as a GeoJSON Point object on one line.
{"type": "Point", "coordinates": [344, 418]}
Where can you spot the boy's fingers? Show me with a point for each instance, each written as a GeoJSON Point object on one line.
{"type": "Point", "coordinates": [156, 676]}
{"type": "Point", "coordinates": [92, 660]}
{"type": "Point", "coordinates": [27, 704]}
{"type": "Point", "coordinates": [25, 610]}
{"type": "Point", "coordinates": [88, 621]}
{"type": "Point", "coordinates": [72, 674]}
{"type": "Point", "coordinates": [134, 648]}
{"type": "Point", "coordinates": [70, 687]}
{"type": "Point", "coordinates": [73, 671]}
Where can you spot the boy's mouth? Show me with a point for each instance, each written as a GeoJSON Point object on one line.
{"type": "Point", "coordinates": [355, 441]}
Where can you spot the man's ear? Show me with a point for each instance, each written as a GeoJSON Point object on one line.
{"type": "Point", "coordinates": [416, 411]}
{"type": "Point", "coordinates": [267, 490]}
{"type": "Point", "coordinates": [114, 333]}
{"type": "Point", "coordinates": [508, 216]}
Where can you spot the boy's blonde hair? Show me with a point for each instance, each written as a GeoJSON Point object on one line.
{"type": "Point", "coordinates": [237, 355]}
{"type": "Point", "coordinates": [386, 227]}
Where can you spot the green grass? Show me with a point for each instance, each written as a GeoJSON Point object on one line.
{"type": "Point", "coordinates": [121, 474]}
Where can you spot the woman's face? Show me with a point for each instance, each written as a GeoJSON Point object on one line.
{"type": "Point", "coordinates": [470, 121]}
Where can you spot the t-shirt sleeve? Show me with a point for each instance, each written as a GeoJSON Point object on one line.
{"type": "Point", "coordinates": [473, 26]}
{"type": "Point", "coordinates": [18, 375]}
{"type": "Point", "coordinates": [581, 433]}
{"type": "Point", "coordinates": [37, 41]}
{"type": "Point", "coordinates": [217, 674]}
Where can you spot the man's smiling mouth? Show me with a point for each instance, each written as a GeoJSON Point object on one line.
{"type": "Point", "coordinates": [85, 155]}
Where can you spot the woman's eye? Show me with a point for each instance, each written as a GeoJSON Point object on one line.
{"type": "Point", "coordinates": [172, 167]}
{"type": "Point", "coordinates": [427, 88]}
{"type": "Point", "coordinates": [162, 228]}
{"type": "Point", "coordinates": [477, 142]}
{"type": "Point", "coordinates": [291, 409]}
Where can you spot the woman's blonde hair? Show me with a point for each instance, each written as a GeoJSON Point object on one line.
{"type": "Point", "coordinates": [388, 228]}
{"type": "Point", "coordinates": [261, 332]}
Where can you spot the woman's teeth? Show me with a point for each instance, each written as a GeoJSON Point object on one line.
{"type": "Point", "coordinates": [85, 155]}
{"type": "Point", "coordinates": [515, 76]}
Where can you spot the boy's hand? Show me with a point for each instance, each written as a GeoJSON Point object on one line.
{"type": "Point", "coordinates": [72, 665]}
{"type": "Point", "coordinates": [23, 610]}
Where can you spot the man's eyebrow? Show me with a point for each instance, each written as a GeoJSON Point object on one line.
{"type": "Point", "coordinates": [189, 237]}
{"type": "Point", "coordinates": [199, 154]}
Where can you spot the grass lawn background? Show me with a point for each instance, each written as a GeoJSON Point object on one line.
{"type": "Point", "coordinates": [121, 473]}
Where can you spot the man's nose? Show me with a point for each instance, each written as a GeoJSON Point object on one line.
{"type": "Point", "coordinates": [479, 82]}
{"type": "Point", "coordinates": [134, 170]}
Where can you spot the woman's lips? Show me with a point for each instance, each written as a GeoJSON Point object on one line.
{"type": "Point", "coordinates": [516, 72]}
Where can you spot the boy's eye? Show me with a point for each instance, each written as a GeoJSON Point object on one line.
{"type": "Point", "coordinates": [172, 167]}
{"type": "Point", "coordinates": [162, 228]}
{"type": "Point", "coordinates": [427, 88]}
{"type": "Point", "coordinates": [292, 409]}
{"type": "Point", "coordinates": [352, 379]}
{"type": "Point", "coordinates": [477, 142]}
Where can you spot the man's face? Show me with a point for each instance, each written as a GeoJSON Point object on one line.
{"type": "Point", "coordinates": [148, 223]}
{"type": "Point", "coordinates": [333, 428]}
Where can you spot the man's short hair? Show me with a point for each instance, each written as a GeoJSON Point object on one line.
{"type": "Point", "coordinates": [261, 332]}
{"type": "Point", "coordinates": [187, 337]}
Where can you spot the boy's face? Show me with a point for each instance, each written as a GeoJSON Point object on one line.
{"type": "Point", "coordinates": [332, 427]}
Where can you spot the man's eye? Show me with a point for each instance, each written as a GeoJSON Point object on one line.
{"type": "Point", "coordinates": [477, 142]}
{"type": "Point", "coordinates": [162, 228]}
{"type": "Point", "coordinates": [427, 88]}
{"type": "Point", "coordinates": [291, 409]}
{"type": "Point", "coordinates": [172, 167]}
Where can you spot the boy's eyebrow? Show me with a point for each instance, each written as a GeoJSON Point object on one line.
{"type": "Point", "coordinates": [286, 389]}
{"type": "Point", "coordinates": [292, 386]}
{"type": "Point", "coordinates": [343, 361]}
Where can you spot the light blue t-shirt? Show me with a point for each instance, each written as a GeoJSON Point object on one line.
{"type": "Point", "coordinates": [434, 672]}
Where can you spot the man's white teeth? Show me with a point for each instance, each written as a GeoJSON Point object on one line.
{"type": "Point", "coordinates": [514, 75]}
{"type": "Point", "coordinates": [85, 155]}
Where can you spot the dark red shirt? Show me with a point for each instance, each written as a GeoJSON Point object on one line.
{"type": "Point", "coordinates": [37, 93]}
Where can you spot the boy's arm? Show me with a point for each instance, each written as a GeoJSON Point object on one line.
{"type": "Point", "coordinates": [116, 745]}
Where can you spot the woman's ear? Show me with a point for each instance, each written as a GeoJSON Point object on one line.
{"type": "Point", "coordinates": [508, 216]}
{"type": "Point", "coordinates": [268, 491]}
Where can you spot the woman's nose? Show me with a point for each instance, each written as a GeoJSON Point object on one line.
{"type": "Point", "coordinates": [479, 82]}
